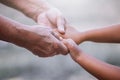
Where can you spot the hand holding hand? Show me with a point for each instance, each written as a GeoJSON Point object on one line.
{"type": "Point", "coordinates": [42, 42]}
{"type": "Point", "coordinates": [73, 34]}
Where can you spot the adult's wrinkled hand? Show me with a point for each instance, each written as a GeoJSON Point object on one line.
{"type": "Point", "coordinates": [43, 42]}
{"type": "Point", "coordinates": [54, 18]}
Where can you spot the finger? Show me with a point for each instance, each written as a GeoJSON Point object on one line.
{"type": "Point", "coordinates": [59, 47]}
{"type": "Point", "coordinates": [61, 24]}
{"type": "Point", "coordinates": [72, 46]}
{"type": "Point", "coordinates": [56, 35]}
{"type": "Point", "coordinates": [62, 48]}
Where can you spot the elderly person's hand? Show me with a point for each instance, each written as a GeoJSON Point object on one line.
{"type": "Point", "coordinates": [39, 40]}
{"type": "Point", "coordinates": [43, 42]}
{"type": "Point", "coordinates": [40, 11]}
{"type": "Point", "coordinates": [54, 18]}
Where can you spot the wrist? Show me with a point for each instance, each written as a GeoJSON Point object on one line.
{"type": "Point", "coordinates": [36, 9]}
{"type": "Point", "coordinates": [80, 37]}
{"type": "Point", "coordinates": [11, 31]}
{"type": "Point", "coordinates": [84, 37]}
{"type": "Point", "coordinates": [20, 37]}
{"type": "Point", "coordinates": [17, 35]}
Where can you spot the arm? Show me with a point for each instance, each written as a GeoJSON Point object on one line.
{"type": "Point", "coordinates": [40, 11]}
{"type": "Point", "coordinates": [30, 8]}
{"type": "Point", "coordinates": [97, 68]}
{"type": "Point", "coordinates": [9, 30]}
{"type": "Point", "coordinates": [37, 39]}
{"type": "Point", "coordinates": [105, 35]}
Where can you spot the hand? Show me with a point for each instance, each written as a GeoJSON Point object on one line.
{"type": "Point", "coordinates": [52, 17]}
{"type": "Point", "coordinates": [75, 52]}
{"type": "Point", "coordinates": [72, 33]}
{"type": "Point", "coordinates": [39, 40]}
{"type": "Point", "coordinates": [42, 42]}
{"type": "Point", "coordinates": [40, 11]}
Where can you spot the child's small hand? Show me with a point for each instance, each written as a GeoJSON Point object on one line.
{"type": "Point", "coordinates": [75, 52]}
{"type": "Point", "coordinates": [70, 32]}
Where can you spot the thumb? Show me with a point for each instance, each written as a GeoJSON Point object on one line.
{"type": "Point", "coordinates": [61, 24]}
{"type": "Point", "coordinates": [72, 46]}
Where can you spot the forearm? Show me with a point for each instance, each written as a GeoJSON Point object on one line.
{"type": "Point", "coordinates": [104, 35]}
{"type": "Point", "coordinates": [107, 35]}
{"type": "Point", "coordinates": [30, 8]}
{"type": "Point", "coordinates": [11, 31]}
{"type": "Point", "coordinates": [99, 69]}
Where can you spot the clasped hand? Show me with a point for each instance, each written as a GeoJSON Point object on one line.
{"type": "Point", "coordinates": [49, 41]}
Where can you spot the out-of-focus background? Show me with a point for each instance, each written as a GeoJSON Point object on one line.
{"type": "Point", "coordinates": [17, 63]}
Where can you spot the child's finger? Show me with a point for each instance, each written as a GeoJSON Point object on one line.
{"type": "Point", "coordinates": [72, 46]}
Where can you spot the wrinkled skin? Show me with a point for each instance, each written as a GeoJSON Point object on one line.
{"type": "Point", "coordinates": [45, 43]}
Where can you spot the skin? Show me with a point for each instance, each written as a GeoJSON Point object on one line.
{"type": "Point", "coordinates": [99, 69]}
{"type": "Point", "coordinates": [40, 11]}
{"type": "Point", "coordinates": [44, 14]}
{"type": "Point", "coordinates": [72, 33]}
{"type": "Point", "coordinates": [103, 35]}
{"type": "Point", "coordinates": [39, 40]}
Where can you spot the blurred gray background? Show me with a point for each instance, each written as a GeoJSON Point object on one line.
{"type": "Point", "coordinates": [17, 63]}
